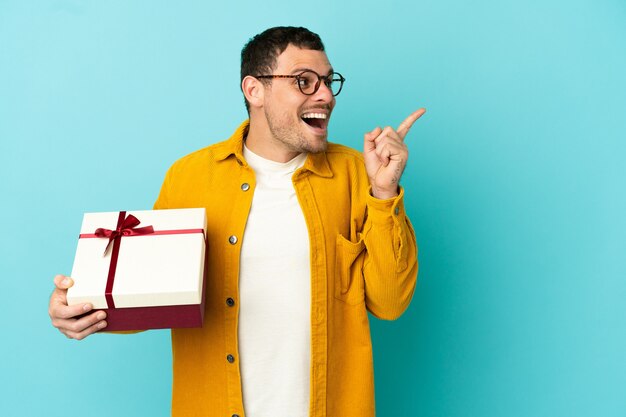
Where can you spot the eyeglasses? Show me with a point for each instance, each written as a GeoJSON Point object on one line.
{"type": "Point", "coordinates": [309, 81]}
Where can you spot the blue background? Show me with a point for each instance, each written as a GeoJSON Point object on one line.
{"type": "Point", "coordinates": [515, 186]}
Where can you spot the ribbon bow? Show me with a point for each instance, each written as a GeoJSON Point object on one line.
{"type": "Point", "coordinates": [127, 227]}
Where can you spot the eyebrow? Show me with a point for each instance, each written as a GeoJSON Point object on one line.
{"type": "Point", "coordinates": [300, 69]}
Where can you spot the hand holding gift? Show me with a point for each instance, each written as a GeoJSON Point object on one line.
{"type": "Point", "coordinates": [145, 269]}
{"type": "Point", "coordinates": [75, 322]}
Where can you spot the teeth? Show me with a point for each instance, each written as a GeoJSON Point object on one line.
{"type": "Point", "coordinates": [314, 116]}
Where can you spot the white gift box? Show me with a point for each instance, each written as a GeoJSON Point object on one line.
{"type": "Point", "coordinates": [143, 278]}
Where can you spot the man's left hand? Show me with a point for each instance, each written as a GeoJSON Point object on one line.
{"type": "Point", "coordinates": [385, 155]}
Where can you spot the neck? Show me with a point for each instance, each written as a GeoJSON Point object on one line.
{"type": "Point", "coordinates": [261, 141]}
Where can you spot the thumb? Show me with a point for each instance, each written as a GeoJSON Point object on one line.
{"type": "Point", "coordinates": [62, 282]}
{"type": "Point", "coordinates": [369, 139]}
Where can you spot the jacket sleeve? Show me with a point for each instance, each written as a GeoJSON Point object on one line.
{"type": "Point", "coordinates": [390, 265]}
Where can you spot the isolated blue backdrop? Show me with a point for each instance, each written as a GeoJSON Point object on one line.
{"type": "Point", "coordinates": [515, 186]}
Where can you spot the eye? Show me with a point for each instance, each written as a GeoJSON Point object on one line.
{"type": "Point", "coordinates": [305, 80]}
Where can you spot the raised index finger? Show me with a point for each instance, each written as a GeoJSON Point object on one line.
{"type": "Point", "coordinates": [404, 127]}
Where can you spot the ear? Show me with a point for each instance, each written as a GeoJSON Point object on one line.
{"type": "Point", "coordinates": [254, 91]}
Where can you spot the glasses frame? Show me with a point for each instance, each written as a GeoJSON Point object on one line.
{"type": "Point", "coordinates": [326, 78]}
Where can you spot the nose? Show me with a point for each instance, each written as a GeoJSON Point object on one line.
{"type": "Point", "coordinates": [323, 94]}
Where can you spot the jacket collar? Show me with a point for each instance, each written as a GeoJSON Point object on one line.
{"type": "Point", "coordinates": [316, 163]}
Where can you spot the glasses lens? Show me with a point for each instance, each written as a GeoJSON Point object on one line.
{"type": "Point", "coordinates": [335, 83]}
{"type": "Point", "coordinates": [307, 81]}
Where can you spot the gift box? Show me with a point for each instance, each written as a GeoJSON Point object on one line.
{"type": "Point", "coordinates": [144, 268]}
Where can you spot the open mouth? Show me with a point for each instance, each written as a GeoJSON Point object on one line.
{"type": "Point", "coordinates": [318, 121]}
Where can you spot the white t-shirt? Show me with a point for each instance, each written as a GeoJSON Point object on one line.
{"type": "Point", "coordinates": [275, 295]}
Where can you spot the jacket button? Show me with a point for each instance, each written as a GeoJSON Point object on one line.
{"type": "Point", "coordinates": [230, 302]}
{"type": "Point", "coordinates": [230, 358]}
{"type": "Point", "coordinates": [232, 239]}
{"type": "Point", "coordinates": [397, 210]}
{"type": "Point", "coordinates": [245, 186]}
{"type": "Point", "coordinates": [235, 415]}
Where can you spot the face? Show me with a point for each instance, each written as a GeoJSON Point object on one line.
{"type": "Point", "coordinates": [297, 121]}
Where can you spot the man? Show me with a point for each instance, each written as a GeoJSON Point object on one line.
{"type": "Point", "coordinates": [304, 238]}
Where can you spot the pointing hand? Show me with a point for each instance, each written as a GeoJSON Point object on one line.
{"type": "Point", "coordinates": [386, 154]}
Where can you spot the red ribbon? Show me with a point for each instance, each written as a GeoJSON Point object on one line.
{"type": "Point", "coordinates": [126, 226]}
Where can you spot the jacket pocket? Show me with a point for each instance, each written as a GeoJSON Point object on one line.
{"type": "Point", "coordinates": [349, 282]}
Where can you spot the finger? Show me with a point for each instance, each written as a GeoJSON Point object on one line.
{"type": "Point", "coordinates": [60, 310]}
{"type": "Point", "coordinates": [78, 325]}
{"type": "Point", "coordinates": [390, 141]}
{"type": "Point", "coordinates": [62, 282]}
{"type": "Point", "coordinates": [387, 133]}
{"type": "Point", "coordinates": [368, 142]}
{"type": "Point", "coordinates": [87, 321]}
{"type": "Point", "coordinates": [404, 127]}
{"type": "Point", "coordinates": [395, 150]}
{"type": "Point", "coordinates": [86, 332]}
{"type": "Point", "coordinates": [372, 135]}
{"type": "Point", "coordinates": [369, 137]}
{"type": "Point", "coordinates": [384, 153]}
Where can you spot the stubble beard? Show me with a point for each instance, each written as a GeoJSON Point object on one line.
{"type": "Point", "coordinates": [291, 135]}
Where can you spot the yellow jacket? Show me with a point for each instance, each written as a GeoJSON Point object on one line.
{"type": "Point", "coordinates": [363, 258]}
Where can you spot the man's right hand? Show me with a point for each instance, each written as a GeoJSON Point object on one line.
{"type": "Point", "coordinates": [65, 318]}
